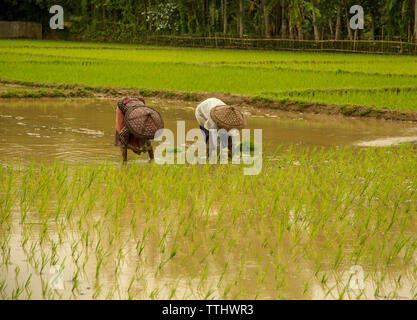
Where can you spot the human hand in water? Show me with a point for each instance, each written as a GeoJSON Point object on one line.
{"type": "Point", "coordinates": [139, 150]}
{"type": "Point", "coordinates": [135, 149]}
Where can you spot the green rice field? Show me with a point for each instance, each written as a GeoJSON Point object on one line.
{"type": "Point", "coordinates": [314, 215]}
{"type": "Point", "coordinates": [275, 74]}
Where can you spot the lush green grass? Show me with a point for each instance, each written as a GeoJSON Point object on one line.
{"type": "Point", "coordinates": [155, 54]}
{"type": "Point", "coordinates": [186, 77]}
{"type": "Point", "coordinates": [404, 67]}
{"type": "Point", "coordinates": [393, 99]}
{"type": "Point", "coordinates": [256, 73]}
{"type": "Point", "coordinates": [294, 231]}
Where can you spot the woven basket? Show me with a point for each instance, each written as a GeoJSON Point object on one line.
{"type": "Point", "coordinates": [228, 117]}
{"type": "Point", "coordinates": [143, 122]}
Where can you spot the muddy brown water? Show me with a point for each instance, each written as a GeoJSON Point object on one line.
{"type": "Point", "coordinates": [83, 129]}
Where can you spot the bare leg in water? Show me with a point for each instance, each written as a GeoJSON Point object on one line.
{"type": "Point", "coordinates": [137, 151]}
{"type": "Point", "coordinates": [124, 153]}
{"type": "Point", "coordinates": [150, 150]}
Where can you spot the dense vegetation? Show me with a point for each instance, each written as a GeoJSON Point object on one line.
{"type": "Point", "coordinates": [125, 20]}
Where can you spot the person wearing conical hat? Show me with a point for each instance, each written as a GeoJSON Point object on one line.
{"type": "Point", "coordinates": [136, 125]}
{"type": "Point", "coordinates": [213, 113]}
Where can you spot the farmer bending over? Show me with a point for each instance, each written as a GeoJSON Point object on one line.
{"type": "Point", "coordinates": [215, 114]}
{"type": "Point", "coordinates": [136, 125]}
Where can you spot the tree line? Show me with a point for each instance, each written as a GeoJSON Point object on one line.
{"type": "Point", "coordinates": [126, 20]}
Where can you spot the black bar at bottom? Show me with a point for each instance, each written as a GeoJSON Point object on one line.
{"type": "Point", "coordinates": [200, 309]}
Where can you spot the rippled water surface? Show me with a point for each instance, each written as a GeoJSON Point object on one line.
{"type": "Point", "coordinates": [83, 129]}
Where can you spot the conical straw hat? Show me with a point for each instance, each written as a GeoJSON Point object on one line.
{"type": "Point", "coordinates": [143, 122]}
{"type": "Point", "coordinates": [228, 117]}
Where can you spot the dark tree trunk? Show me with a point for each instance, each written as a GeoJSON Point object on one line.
{"type": "Point", "coordinates": [241, 18]}
{"type": "Point", "coordinates": [373, 27]}
{"type": "Point", "coordinates": [197, 22]}
{"type": "Point", "coordinates": [204, 17]}
{"type": "Point", "coordinates": [338, 21]}
{"type": "Point", "coordinates": [316, 31]}
{"type": "Point", "coordinates": [266, 19]}
{"type": "Point", "coordinates": [349, 30]}
{"type": "Point", "coordinates": [283, 21]}
{"type": "Point", "coordinates": [213, 15]}
{"type": "Point", "coordinates": [224, 17]}
{"type": "Point", "coordinates": [290, 27]}
{"type": "Point", "coordinates": [300, 31]}
{"type": "Point", "coordinates": [331, 29]}
{"type": "Point", "coordinates": [415, 21]}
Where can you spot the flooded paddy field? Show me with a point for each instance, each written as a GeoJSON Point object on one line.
{"type": "Point", "coordinates": [83, 129]}
{"type": "Point", "coordinates": [331, 215]}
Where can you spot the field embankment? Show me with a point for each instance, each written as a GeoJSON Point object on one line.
{"type": "Point", "coordinates": [24, 89]}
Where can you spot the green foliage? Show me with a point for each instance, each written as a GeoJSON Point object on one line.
{"type": "Point", "coordinates": [127, 20]}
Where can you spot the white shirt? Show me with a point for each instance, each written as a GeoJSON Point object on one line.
{"type": "Point", "coordinates": [202, 113]}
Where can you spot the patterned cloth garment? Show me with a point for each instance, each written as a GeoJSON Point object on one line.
{"type": "Point", "coordinates": [130, 102]}
{"type": "Point", "coordinates": [123, 106]}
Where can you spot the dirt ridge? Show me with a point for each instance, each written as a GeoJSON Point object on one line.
{"type": "Point", "coordinates": [77, 90]}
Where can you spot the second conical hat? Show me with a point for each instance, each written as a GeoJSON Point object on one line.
{"type": "Point", "coordinates": [228, 117]}
{"type": "Point", "coordinates": [143, 122]}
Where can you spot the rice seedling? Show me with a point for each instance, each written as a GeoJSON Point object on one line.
{"type": "Point", "coordinates": [154, 294]}
{"type": "Point", "coordinates": [322, 210]}
{"type": "Point", "coordinates": [3, 287]}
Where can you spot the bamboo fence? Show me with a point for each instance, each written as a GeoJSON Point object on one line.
{"type": "Point", "coordinates": [357, 46]}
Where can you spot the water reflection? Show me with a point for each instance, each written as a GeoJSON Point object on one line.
{"type": "Point", "coordinates": [83, 129]}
